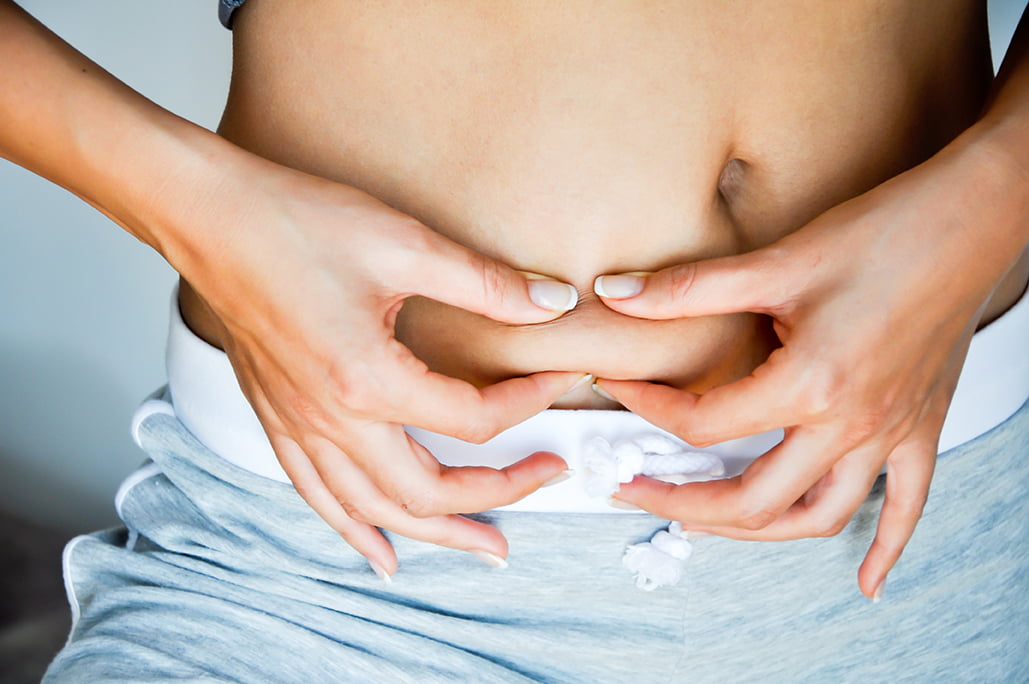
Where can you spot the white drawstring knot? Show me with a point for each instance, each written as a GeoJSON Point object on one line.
{"type": "Point", "coordinates": [654, 455]}
{"type": "Point", "coordinates": [662, 561]}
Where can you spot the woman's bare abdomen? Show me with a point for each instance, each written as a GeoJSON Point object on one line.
{"type": "Point", "coordinates": [575, 139]}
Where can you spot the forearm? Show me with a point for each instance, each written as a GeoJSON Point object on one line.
{"type": "Point", "coordinates": [999, 145]}
{"type": "Point", "coordinates": [66, 119]}
{"type": "Point", "coordinates": [1006, 117]}
{"type": "Point", "coordinates": [978, 227]}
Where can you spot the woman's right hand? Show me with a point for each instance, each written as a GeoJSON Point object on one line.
{"type": "Point", "coordinates": [306, 277]}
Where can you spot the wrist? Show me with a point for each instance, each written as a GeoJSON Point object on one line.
{"type": "Point", "coordinates": [989, 195]}
{"type": "Point", "coordinates": [990, 159]}
{"type": "Point", "coordinates": [999, 148]}
{"type": "Point", "coordinates": [172, 184]}
{"type": "Point", "coordinates": [143, 167]}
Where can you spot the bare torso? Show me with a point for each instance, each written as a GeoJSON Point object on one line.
{"type": "Point", "coordinates": [579, 138]}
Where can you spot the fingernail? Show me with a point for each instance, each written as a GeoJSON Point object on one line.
{"type": "Point", "coordinates": [563, 476]}
{"type": "Point", "coordinates": [622, 505]}
{"type": "Point", "coordinates": [550, 294]}
{"type": "Point", "coordinates": [578, 383]}
{"type": "Point", "coordinates": [490, 559]}
{"type": "Point", "coordinates": [877, 595]}
{"type": "Point", "coordinates": [380, 572]}
{"type": "Point", "coordinates": [602, 392]}
{"type": "Point", "coordinates": [621, 286]}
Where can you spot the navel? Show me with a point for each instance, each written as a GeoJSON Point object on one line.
{"type": "Point", "coordinates": [730, 181]}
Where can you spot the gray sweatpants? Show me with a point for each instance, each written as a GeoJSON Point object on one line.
{"type": "Point", "coordinates": [220, 575]}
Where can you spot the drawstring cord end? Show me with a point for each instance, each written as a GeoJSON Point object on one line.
{"type": "Point", "coordinates": [661, 562]}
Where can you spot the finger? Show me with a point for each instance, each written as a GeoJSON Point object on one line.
{"type": "Point", "coordinates": [441, 269]}
{"type": "Point", "coordinates": [825, 509]}
{"type": "Point", "coordinates": [458, 408]}
{"type": "Point", "coordinates": [472, 489]}
{"type": "Point", "coordinates": [414, 480]}
{"type": "Point", "coordinates": [479, 415]}
{"type": "Point", "coordinates": [745, 282]}
{"type": "Point", "coordinates": [752, 500]}
{"type": "Point", "coordinates": [361, 498]}
{"type": "Point", "coordinates": [365, 539]}
{"type": "Point", "coordinates": [909, 472]}
{"type": "Point", "coordinates": [767, 399]}
{"type": "Point", "coordinates": [406, 472]}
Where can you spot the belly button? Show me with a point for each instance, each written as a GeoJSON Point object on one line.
{"type": "Point", "coordinates": [731, 179]}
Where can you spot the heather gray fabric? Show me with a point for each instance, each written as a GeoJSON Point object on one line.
{"type": "Point", "coordinates": [220, 575]}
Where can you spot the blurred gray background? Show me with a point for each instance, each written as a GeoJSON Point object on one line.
{"type": "Point", "coordinates": [83, 305]}
{"type": "Point", "coordinates": [83, 310]}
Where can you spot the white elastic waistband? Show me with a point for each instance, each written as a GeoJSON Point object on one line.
{"type": "Point", "coordinates": [208, 401]}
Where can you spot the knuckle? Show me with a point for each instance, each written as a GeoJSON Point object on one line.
{"type": "Point", "coordinates": [911, 505]}
{"type": "Point", "coordinates": [493, 278]}
{"type": "Point", "coordinates": [867, 424]}
{"type": "Point", "coordinates": [757, 520]}
{"type": "Point", "coordinates": [479, 433]}
{"type": "Point", "coordinates": [410, 242]}
{"type": "Point", "coordinates": [680, 281]}
{"type": "Point", "coordinates": [830, 526]}
{"type": "Point", "coordinates": [416, 504]}
{"type": "Point", "coordinates": [484, 429]}
{"type": "Point", "coordinates": [415, 235]}
{"type": "Point", "coordinates": [358, 512]}
{"type": "Point", "coordinates": [823, 391]}
{"type": "Point", "coordinates": [482, 426]}
{"type": "Point", "coordinates": [353, 394]}
{"type": "Point", "coordinates": [413, 240]}
{"type": "Point", "coordinates": [446, 536]}
{"type": "Point", "coordinates": [698, 436]}
{"type": "Point", "coordinates": [307, 492]}
{"type": "Point", "coordinates": [307, 411]}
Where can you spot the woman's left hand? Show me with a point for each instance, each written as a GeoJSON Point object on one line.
{"type": "Point", "coordinates": [875, 303]}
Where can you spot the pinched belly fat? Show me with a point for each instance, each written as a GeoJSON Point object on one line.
{"type": "Point", "coordinates": [578, 139]}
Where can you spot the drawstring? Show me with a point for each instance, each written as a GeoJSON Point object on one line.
{"type": "Point", "coordinates": [661, 561]}
{"type": "Point", "coordinates": [653, 455]}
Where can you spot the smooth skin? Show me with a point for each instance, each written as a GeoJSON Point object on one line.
{"type": "Point", "coordinates": [872, 345]}
{"type": "Point", "coordinates": [311, 338]}
{"type": "Point", "coordinates": [304, 333]}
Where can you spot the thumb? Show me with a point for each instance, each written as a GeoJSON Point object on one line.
{"type": "Point", "coordinates": [450, 273]}
{"type": "Point", "coordinates": [747, 282]}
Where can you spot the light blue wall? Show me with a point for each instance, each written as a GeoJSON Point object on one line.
{"type": "Point", "coordinates": [82, 304]}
